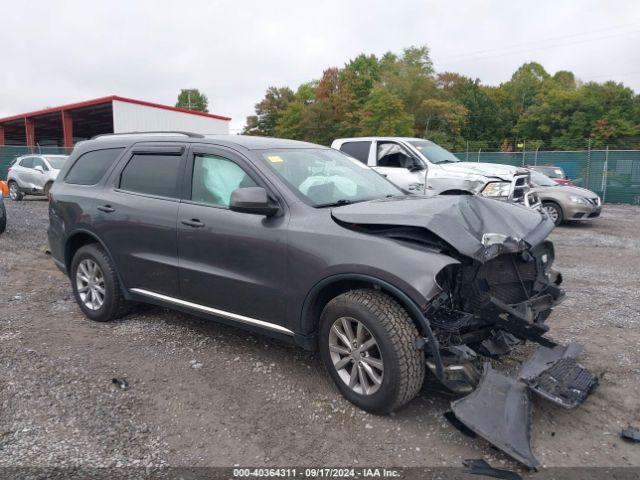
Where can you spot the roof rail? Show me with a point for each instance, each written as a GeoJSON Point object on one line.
{"type": "Point", "coordinates": [179, 132]}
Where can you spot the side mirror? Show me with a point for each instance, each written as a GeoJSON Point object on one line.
{"type": "Point", "coordinates": [417, 167]}
{"type": "Point", "coordinates": [39, 168]}
{"type": "Point", "coordinates": [252, 200]}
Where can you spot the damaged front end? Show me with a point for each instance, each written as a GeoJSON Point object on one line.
{"type": "Point", "coordinates": [487, 308]}
{"type": "Point", "coordinates": [496, 294]}
{"type": "Point", "coordinates": [484, 310]}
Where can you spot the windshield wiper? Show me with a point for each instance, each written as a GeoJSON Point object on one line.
{"type": "Point", "coordinates": [337, 203]}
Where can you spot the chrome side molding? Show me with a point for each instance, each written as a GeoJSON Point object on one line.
{"type": "Point", "coordinates": [214, 311]}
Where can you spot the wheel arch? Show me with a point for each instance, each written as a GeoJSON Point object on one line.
{"type": "Point", "coordinates": [329, 288]}
{"type": "Point", "coordinates": [79, 239]}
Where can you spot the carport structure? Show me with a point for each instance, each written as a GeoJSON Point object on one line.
{"type": "Point", "coordinates": [64, 125]}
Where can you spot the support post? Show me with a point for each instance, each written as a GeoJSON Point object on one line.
{"type": "Point", "coordinates": [1, 136]}
{"type": "Point", "coordinates": [30, 132]}
{"type": "Point", "coordinates": [67, 129]}
{"type": "Point", "coordinates": [604, 174]}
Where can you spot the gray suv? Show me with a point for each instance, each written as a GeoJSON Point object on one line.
{"type": "Point", "coordinates": [306, 244]}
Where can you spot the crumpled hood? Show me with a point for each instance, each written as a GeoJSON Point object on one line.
{"type": "Point", "coordinates": [477, 227]}
{"type": "Point", "coordinates": [505, 172]}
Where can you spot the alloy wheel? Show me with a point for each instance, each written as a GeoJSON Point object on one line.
{"type": "Point", "coordinates": [356, 356]}
{"type": "Point", "coordinates": [90, 284]}
{"type": "Point", "coordinates": [13, 191]}
{"type": "Point", "coordinates": [552, 212]}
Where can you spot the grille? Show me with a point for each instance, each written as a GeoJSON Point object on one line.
{"type": "Point", "coordinates": [520, 188]}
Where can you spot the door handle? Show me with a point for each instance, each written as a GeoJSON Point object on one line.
{"type": "Point", "coordinates": [106, 208]}
{"type": "Point", "coordinates": [194, 222]}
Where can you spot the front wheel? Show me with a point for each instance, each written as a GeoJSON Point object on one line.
{"type": "Point", "coordinates": [554, 211]}
{"type": "Point", "coordinates": [368, 345]}
{"type": "Point", "coordinates": [14, 192]}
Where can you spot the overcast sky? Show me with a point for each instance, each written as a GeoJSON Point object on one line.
{"type": "Point", "coordinates": [61, 52]}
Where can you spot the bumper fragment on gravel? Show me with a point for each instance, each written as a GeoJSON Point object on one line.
{"type": "Point", "coordinates": [499, 409]}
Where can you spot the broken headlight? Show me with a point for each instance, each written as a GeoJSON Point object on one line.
{"type": "Point", "coordinates": [496, 189]}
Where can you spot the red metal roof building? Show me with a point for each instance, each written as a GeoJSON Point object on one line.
{"type": "Point", "coordinates": [63, 126]}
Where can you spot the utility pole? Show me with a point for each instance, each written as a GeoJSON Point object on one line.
{"type": "Point", "coordinates": [189, 98]}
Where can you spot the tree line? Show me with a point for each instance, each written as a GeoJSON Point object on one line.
{"type": "Point", "coordinates": [402, 95]}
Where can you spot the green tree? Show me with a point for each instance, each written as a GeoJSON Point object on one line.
{"type": "Point", "coordinates": [192, 99]}
{"type": "Point", "coordinates": [383, 114]}
{"type": "Point", "coordinates": [268, 112]}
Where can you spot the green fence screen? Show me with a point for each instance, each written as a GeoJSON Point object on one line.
{"type": "Point", "coordinates": [612, 174]}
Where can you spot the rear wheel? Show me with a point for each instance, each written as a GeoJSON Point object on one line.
{"type": "Point", "coordinates": [14, 192]}
{"type": "Point", "coordinates": [368, 345]}
{"type": "Point", "coordinates": [96, 286]}
{"type": "Point", "coordinates": [554, 211]}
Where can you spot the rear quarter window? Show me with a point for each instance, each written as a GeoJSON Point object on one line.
{"type": "Point", "coordinates": [155, 174]}
{"type": "Point", "coordinates": [91, 166]}
{"type": "Point", "coordinates": [359, 150]}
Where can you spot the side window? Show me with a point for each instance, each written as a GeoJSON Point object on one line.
{"type": "Point", "coordinates": [90, 167]}
{"type": "Point", "coordinates": [393, 155]}
{"type": "Point", "coordinates": [38, 162]}
{"type": "Point", "coordinates": [152, 174]}
{"type": "Point", "coordinates": [27, 162]}
{"type": "Point", "coordinates": [214, 178]}
{"type": "Point", "coordinates": [359, 150]}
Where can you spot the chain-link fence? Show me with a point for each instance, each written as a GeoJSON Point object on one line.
{"type": "Point", "coordinates": [612, 174]}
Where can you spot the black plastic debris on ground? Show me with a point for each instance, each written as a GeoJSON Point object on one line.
{"type": "Point", "coordinates": [555, 374]}
{"type": "Point", "coordinates": [566, 383]}
{"type": "Point", "coordinates": [457, 424]}
{"type": "Point", "coordinates": [481, 467]}
{"type": "Point", "coordinates": [121, 383]}
{"type": "Point", "coordinates": [631, 434]}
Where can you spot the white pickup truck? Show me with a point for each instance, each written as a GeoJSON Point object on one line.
{"type": "Point", "coordinates": [421, 166]}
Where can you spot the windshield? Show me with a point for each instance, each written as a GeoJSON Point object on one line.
{"type": "Point", "coordinates": [434, 152]}
{"type": "Point", "coordinates": [541, 180]}
{"type": "Point", "coordinates": [56, 162]}
{"type": "Point", "coordinates": [553, 172]}
{"type": "Point", "coordinates": [328, 177]}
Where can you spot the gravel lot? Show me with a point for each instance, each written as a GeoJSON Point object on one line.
{"type": "Point", "coordinates": [202, 394]}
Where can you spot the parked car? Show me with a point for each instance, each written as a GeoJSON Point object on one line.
{"type": "Point", "coordinates": [3, 215]}
{"type": "Point", "coordinates": [33, 175]}
{"type": "Point", "coordinates": [564, 203]}
{"type": "Point", "coordinates": [309, 245]}
{"type": "Point", "coordinates": [422, 166]}
{"type": "Point", "coordinates": [554, 173]}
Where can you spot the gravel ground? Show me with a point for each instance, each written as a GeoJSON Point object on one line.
{"type": "Point", "coordinates": [202, 394]}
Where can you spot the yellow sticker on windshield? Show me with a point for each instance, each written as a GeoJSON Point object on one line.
{"type": "Point", "coordinates": [275, 158]}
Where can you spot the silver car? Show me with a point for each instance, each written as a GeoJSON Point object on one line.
{"type": "Point", "coordinates": [565, 203]}
{"type": "Point", "coordinates": [33, 175]}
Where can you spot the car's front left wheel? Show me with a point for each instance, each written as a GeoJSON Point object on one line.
{"type": "Point", "coordinates": [368, 345]}
{"type": "Point", "coordinates": [96, 286]}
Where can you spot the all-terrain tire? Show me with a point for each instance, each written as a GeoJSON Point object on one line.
{"type": "Point", "coordinates": [114, 305]}
{"type": "Point", "coordinates": [14, 192]}
{"type": "Point", "coordinates": [396, 335]}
